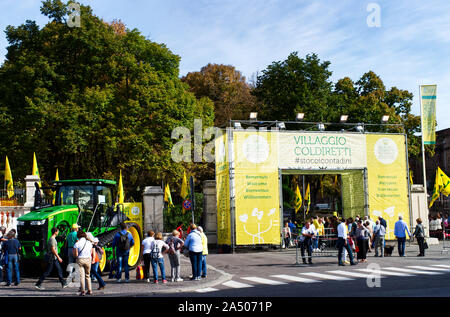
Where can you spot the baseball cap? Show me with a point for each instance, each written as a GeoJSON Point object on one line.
{"type": "Point", "coordinates": [75, 226]}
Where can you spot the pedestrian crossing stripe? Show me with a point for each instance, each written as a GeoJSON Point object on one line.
{"type": "Point", "coordinates": [206, 290]}
{"type": "Point", "coordinates": [295, 278]}
{"type": "Point", "coordinates": [234, 284]}
{"type": "Point", "coordinates": [336, 275]}
{"type": "Point", "coordinates": [441, 265]}
{"type": "Point", "coordinates": [327, 276]}
{"type": "Point", "coordinates": [427, 268]}
{"type": "Point", "coordinates": [412, 271]}
{"type": "Point", "coordinates": [348, 273]}
{"type": "Point", "coordinates": [384, 272]}
{"type": "Point", "coordinates": [263, 280]}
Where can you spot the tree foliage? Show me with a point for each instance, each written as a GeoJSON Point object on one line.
{"type": "Point", "coordinates": [91, 100]}
{"type": "Point", "coordinates": [227, 88]}
{"type": "Point", "coordinates": [304, 85]}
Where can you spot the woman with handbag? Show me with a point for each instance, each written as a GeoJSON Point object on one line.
{"type": "Point", "coordinates": [362, 241]}
{"type": "Point", "coordinates": [83, 252]}
{"type": "Point", "coordinates": [420, 236]}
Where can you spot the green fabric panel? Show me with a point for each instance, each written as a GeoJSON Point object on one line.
{"type": "Point", "coordinates": [353, 194]}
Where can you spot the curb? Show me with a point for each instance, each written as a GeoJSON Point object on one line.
{"type": "Point", "coordinates": [223, 278]}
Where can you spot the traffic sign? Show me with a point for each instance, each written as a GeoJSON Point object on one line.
{"type": "Point", "coordinates": [187, 204]}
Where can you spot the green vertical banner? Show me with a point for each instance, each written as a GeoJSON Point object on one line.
{"type": "Point", "coordinates": [428, 110]}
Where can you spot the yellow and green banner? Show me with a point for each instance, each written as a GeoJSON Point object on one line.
{"type": "Point", "coordinates": [184, 189]}
{"type": "Point", "coordinates": [298, 200]}
{"type": "Point", "coordinates": [8, 180]}
{"type": "Point", "coordinates": [35, 170]}
{"type": "Point", "coordinates": [428, 110]}
{"type": "Point", "coordinates": [387, 179]}
{"type": "Point", "coordinates": [134, 212]}
{"type": "Point", "coordinates": [251, 180]}
{"type": "Point", "coordinates": [168, 196]}
{"type": "Point", "coordinates": [441, 186]}
{"type": "Point", "coordinates": [121, 194]}
{"type": "Point", "coordinates": [257, 188]}
{"type": "Point", "coordinates": [223, 191]}
{"type": "Point", "coordinates": [308, 198]}
{"type": "Point", "coordinates": [54, 193]}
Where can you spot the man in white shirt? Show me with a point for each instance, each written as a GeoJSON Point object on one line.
{"type": "Point", "coordinates": [306, 242]}
{"type": "Point", "coordinates": [342, 243]}
{"type": "Point", "coordinates": [146, 247]}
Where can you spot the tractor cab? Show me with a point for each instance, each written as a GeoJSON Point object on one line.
{"type": "Point", "coordinates": [94, 199]}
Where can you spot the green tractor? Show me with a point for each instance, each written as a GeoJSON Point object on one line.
{"type": "Point", "coordinates": [90, 204]}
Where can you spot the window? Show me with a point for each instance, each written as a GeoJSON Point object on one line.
{"type": "Point", "coordinates": [76, 195]}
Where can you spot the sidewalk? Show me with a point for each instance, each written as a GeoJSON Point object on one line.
{"type": "Point", "coordinates": [133, 288]}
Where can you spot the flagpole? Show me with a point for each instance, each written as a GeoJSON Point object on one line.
{"type": "Point", "coordinates": [423, 149]}
{"type": "Point", "coordinates": [303, 188]}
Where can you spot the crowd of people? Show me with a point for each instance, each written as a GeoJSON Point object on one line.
{"type": "Point", "coordinates": [84, 252]}
{"type": "Point", "coordinates": [439, 226]}
{"type": "Point", "coordinates": [360, 235]}
{"type": "Point", "coordinates": [9, 257]}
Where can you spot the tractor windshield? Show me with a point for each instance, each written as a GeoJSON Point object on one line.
{"type": "Point", "coordinates": [76, 195]}
{"type": "Point", "coordinates": [94, 200]}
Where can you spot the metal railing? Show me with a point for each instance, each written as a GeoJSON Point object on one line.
{"type": "Point", "coordinates": [446, 240]}
{"type": "Point", "coordinates": [321, 246]}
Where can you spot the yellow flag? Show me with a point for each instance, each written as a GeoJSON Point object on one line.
{"type": "Point", "coordinates": [35, 169]}
{"type": "Point", "coordinates": [298, 200]}
{"type": "Point", "coordinates": [411, 177]}
{"type": "Point", "coordinates": [121, 192]}
{"type": "Point", "coordinates": [184, 187]}
{"type": "Point", "coordinates": [8, 180]}
{"type": "Point", "coordinates": [445, 183]}
{"type": "Point", "coordinates": [308, 198]}
{"type": "Point", "coordinates": [54, 193]}
{"type": "Point", "coordinates": [168, 196]}
{"type": "Point", "coordinates": [437, 188]}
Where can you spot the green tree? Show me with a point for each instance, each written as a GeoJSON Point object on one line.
{"type": "Point", "coordinates": [304, 85]}
{"type": "Point", "coordinates": [91, 100]}
{"type": "Point", "coordinates": [295, 85]}
{"type": "Point", "coordinates": [227, 88]}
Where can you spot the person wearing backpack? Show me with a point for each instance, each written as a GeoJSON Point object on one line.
{"type": "Point", "coordinates": [146, 244]}
{"type": "Point", "coordinates": [175, 245]}
{"type": "Point", "coordinates": [122, 243]}
{"type": "Point", "coordinates": [158, 247]}
{"type": "Point", "coordinates": [98, 254]}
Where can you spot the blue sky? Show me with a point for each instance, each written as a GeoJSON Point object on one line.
{"type": "Point", "coordinates": [412, 46]}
